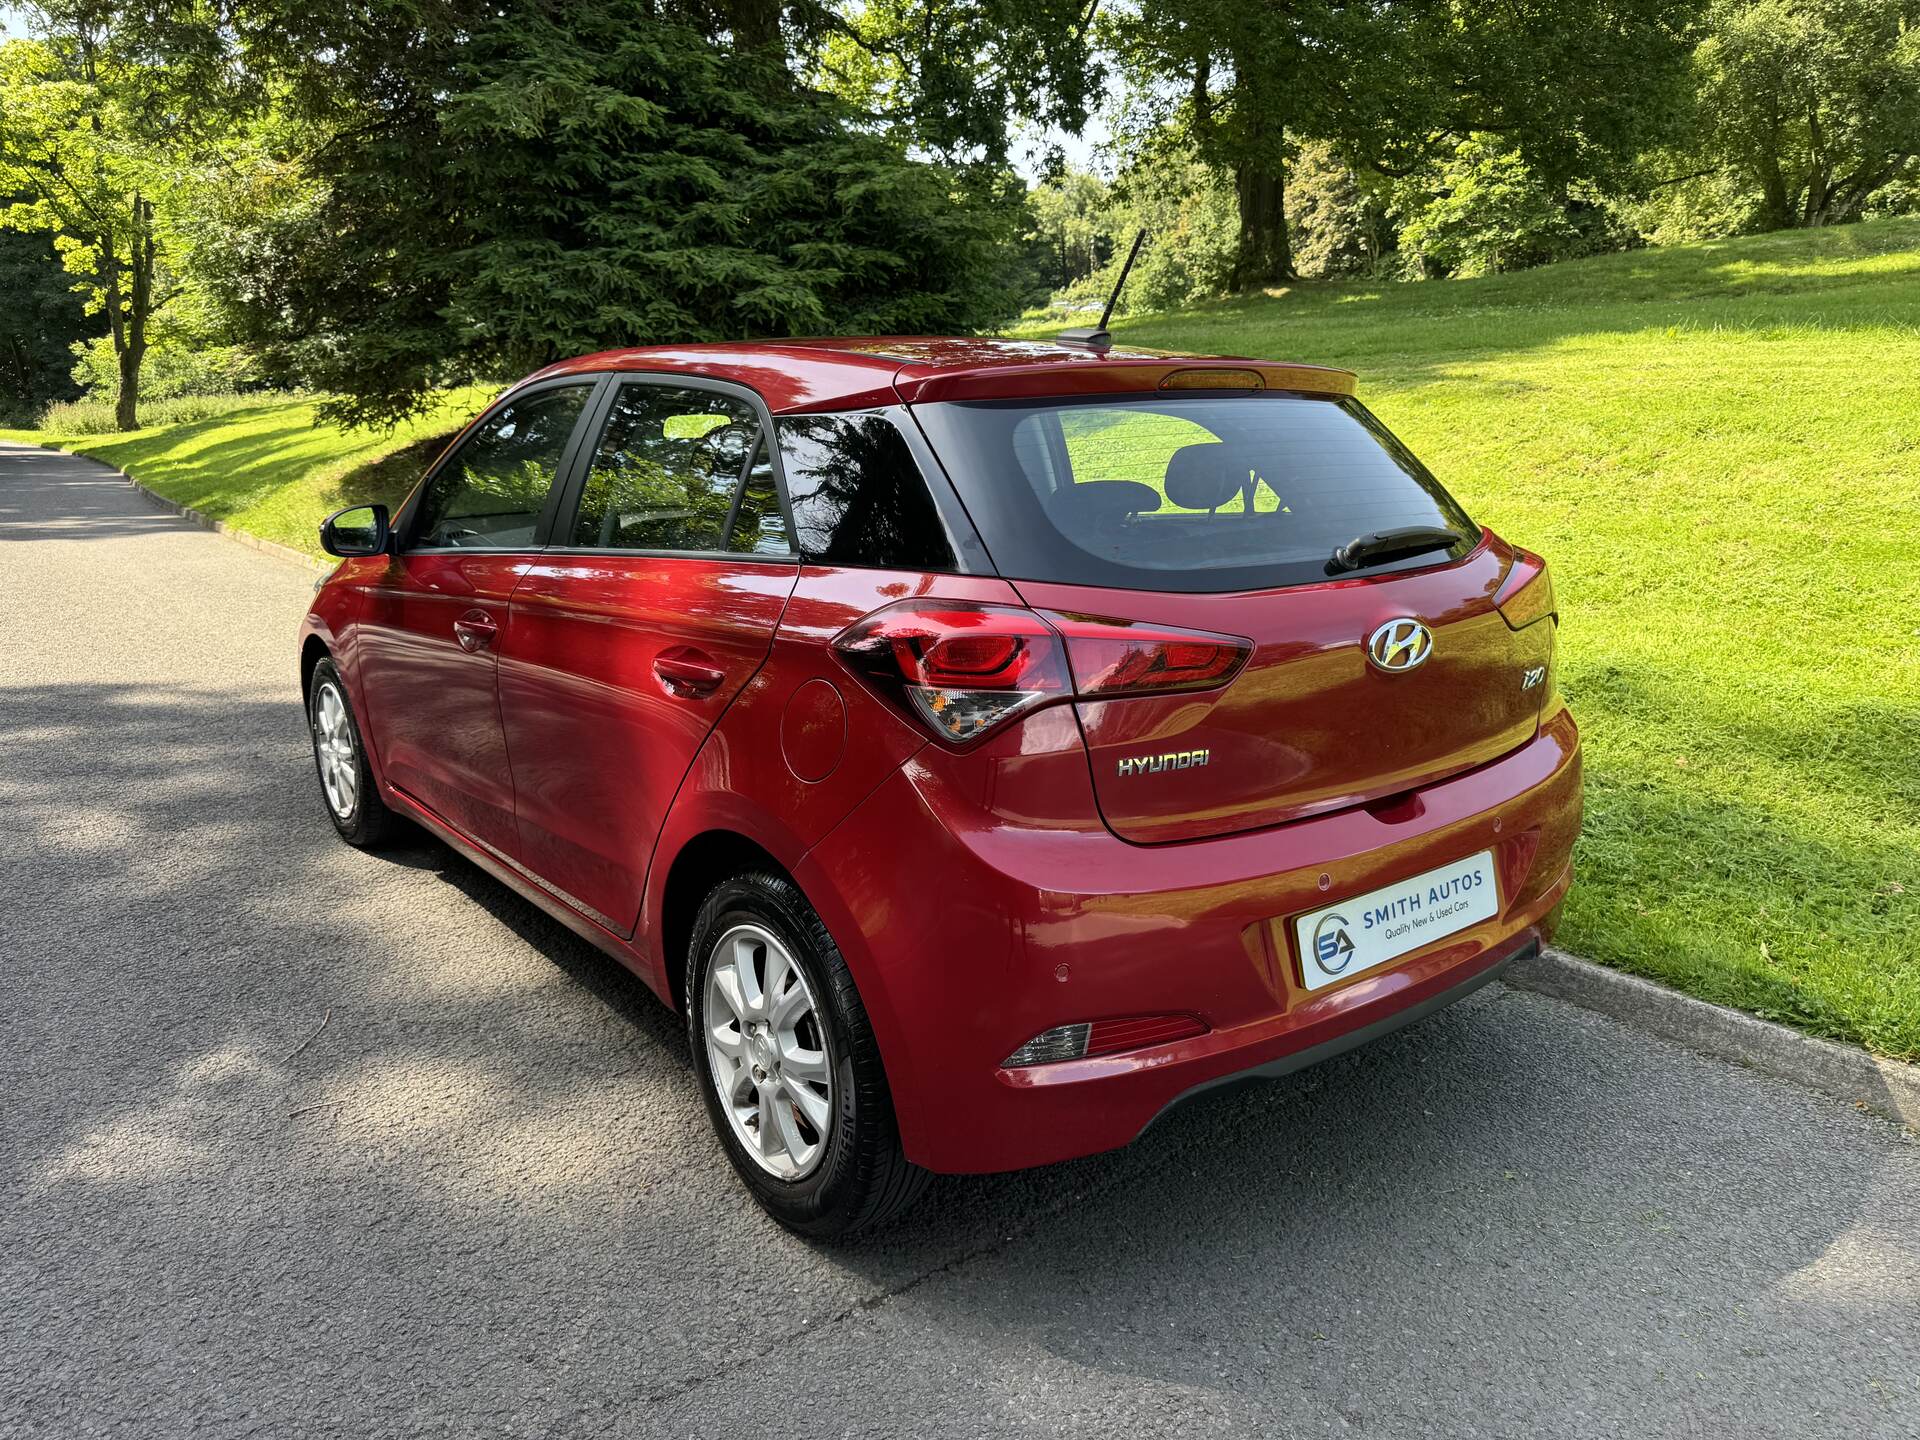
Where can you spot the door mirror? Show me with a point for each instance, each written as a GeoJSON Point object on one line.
{"type": "Point", "coordinates": [357, 530]}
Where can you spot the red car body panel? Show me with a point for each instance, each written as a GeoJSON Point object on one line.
{"type": "Point", "coordinates": [599, 742]}
{"type": "Point", "coordinates": [430, 700]}
{"type": "Point", "coordinates": [1036, 926]}
{"type": "Point", "coordinates": [630, 708]}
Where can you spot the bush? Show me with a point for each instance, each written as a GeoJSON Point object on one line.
{"type": "Point", "coordinates": [94, 415]}
{"type": "Point", "coordinates": [1188, 211]}
{"type": "Point", "coordinates": [1339, 216]}
{"type": "Point", "coordinates": [1696, 207]}
{"type": "Point", "coordinates": [171, 369]}
{"type": "Point", "coordinates": [1492, 212]}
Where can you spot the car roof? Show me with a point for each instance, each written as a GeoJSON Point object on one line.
{"type": "Point", "coordinates": [851, 373]}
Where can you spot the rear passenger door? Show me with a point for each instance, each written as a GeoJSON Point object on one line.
{"type": "Point", "coordinates": [655, 603]}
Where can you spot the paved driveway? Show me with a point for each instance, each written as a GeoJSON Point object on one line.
{"type": "Point", "coordinates": [299, 1141]}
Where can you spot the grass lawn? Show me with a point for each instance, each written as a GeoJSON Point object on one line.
{"type": "Point", "coordinates": [269, 468]}
{"type": "Point", "coordinates": [1718, 448]}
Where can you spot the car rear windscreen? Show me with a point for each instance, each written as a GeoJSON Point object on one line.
{"type": "Point", "coordinates": [1194, 493]}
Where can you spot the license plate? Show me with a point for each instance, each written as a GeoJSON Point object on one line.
{"type": "Point", "coordinates": [1367, 930]}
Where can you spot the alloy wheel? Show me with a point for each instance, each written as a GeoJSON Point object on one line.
{"type": "Point", "coordinates": [333, 748]}
{"type": "Point", "coordinates": [767, 1052]}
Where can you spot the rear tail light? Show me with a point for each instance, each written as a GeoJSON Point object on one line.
{"type": "Point", "coordinates": [1526, 595]}
{"type": "Point", "coordinates": [963, 669]}
{"type": "Point", "coordinates": [1115, 657]}
{"type": "Point", "coordinates": [1102, 1037]}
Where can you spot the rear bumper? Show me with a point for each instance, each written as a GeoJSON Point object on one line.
{"type": "Point", "coordinates": [968, 936]}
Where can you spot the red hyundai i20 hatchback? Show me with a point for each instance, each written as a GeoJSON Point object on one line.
{"type": "Point", "coordinates": [984, 744]}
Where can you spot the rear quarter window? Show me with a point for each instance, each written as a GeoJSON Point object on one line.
{"type": "Point", "coordinates": [857, 494]}
{"type": "Point", "coordinates": [1202, 493]}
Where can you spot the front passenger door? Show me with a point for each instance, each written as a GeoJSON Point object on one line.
{"type": "Point", "coordinates": [430, 626]}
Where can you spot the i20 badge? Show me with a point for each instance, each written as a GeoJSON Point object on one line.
{"type": "Point", "coordinates": [1399, 645]}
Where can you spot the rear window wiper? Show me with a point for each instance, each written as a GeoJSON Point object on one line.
{"type": "Point", "coordinates": [1378, 545]}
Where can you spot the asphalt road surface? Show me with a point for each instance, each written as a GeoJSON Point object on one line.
{"type": "Point", "coordinates": [296, 1141]}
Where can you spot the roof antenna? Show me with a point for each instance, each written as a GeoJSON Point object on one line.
{"type": "Point", "coordinates": [1097, 338]}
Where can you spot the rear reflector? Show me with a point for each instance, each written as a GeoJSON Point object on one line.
{"type": "Point", "coordinates": [1110, 1036]}
{"type": "Point", "coordinates": [1063, 1042]}
{"type": "Point", "coordinates": [962, 668]}
{"type": "Point", "coordinates": [1102, 1037]}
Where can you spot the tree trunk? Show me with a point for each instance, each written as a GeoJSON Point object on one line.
{"type": "Point", "coordinates": [130, 344]}
{"type": "Point", "coordinates": [1776, 204]}
{"type": "Point", "coordinates": [1265, 254]}
{"type": "Point", "coordinates": [1819, 192]}
{"type": "Point", "coordinates": [755, 24]}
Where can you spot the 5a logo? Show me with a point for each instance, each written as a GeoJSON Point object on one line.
{"type": "Point", "coordinates": [1332, 946]}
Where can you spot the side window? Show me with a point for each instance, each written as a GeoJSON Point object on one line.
{"type": "Point", "coordinates": [490, 492]}
{"type": "Point", "coordinates": [669, 470]}
{"type": "Point", "coordinates": [858, 497]}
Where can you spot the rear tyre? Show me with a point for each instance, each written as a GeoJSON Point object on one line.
{"type": "Point", "coordinates": [788, 1064]}
{"type": "Point", "coordinates": [346, 780]}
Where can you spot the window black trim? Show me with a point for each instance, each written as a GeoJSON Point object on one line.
{"type": "Point", "coordinates": [403, 525]}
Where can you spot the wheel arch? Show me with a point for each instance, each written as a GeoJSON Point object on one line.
{"type": "Point", "coordinates": [312, 651]}
{"type": "Point", "coordinates": [701, 863]}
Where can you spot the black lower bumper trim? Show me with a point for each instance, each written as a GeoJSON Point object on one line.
{"type": "Point", "coordinates": [1340, 1044]}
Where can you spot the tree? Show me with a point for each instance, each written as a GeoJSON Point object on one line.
{"type": "Point", "coordinates": [1069, 225]}
{"type": "Point", "coordinates": [476, 193]}
{"type": "Point", "coordinates": [1484, 210]}
{"type": "Point", "coordinates": [1339, 219]}
{"type": "Point", "coordinates": [73, 156]}
{"type": "Point", "coordinates": [1575, 85]}
{"type": "Point", "coordinates": [1188, 214]}
{"type": "Point", "coordinates": [39, 325]}
{"type": "Point", "coordinates": [951, 77]}
{"type": "Point", "coordinates": [1815, 102]}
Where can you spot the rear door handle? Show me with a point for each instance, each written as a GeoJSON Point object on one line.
{"type": "Point", "coordinates": [688, 673]}
{"type": "Point", "coordinates": [475, 631]}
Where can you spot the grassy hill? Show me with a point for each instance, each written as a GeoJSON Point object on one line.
{"type": "Point", "coordinates": [1718, 448]}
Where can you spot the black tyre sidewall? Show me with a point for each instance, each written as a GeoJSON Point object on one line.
{"type": "Point", "coordinates": [839, 1194]}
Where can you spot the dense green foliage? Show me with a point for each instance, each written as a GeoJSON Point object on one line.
{"type": "Point", "coordinates": [40, 321]}
{"type": "Point", "coordinates": [379, 198]}
{"type": "Point", "coordinates": [1470, 152]}
{"type": "Point", "coordinates": [1495, 212]}
{"type": "Point", "coordinates": [480, 198]}
{"type": "Point", "coordinates": [1391, 84]}
{"type": "Point", "coordinates": [76, 166]}
{"type": "Point", "coordinates": [1815, 103]}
